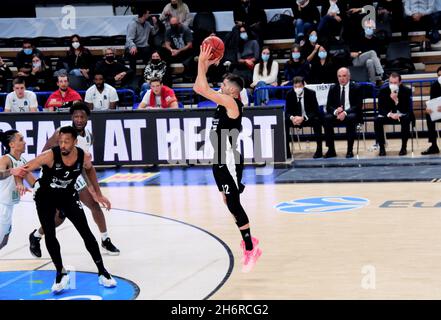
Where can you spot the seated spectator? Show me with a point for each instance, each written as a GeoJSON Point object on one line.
{"type": "Point", "coordinates": [344, 107]}
{"type": "Point", "coordinates": [265, 74]}
{"type": "Point", "coordinates": [307, 17]}
{"type": "Point", "coordinates": [302, 110]}
{"type": "Point", "coordinates": [394, 107]}
{"type": "Point", "coordinates": [101, 96]}
{"type": "Point", "coordinates": [115, 73]}
{"type": "Point", "coordinates": [5, 75]}
{"type": "Point", "coordinates": [390, 16]}
{"type": "Point", "coordinates": [323, 69]}
{"type": "Point", "coordinates": [436, 17]}
{"type": "Point", "coordinates": [155, 68]}
{"type": "Point", "coordinates": [64, 97]}
{"type": "Point", "coordinates": [138, 37]}
{"type": "Point", "coordinates": [295, 67]}
{"type": "Point", "coordinates": [176, 8]}
{"type": "Point", "coordinates": [159, 96]}
{"type": "Point", "coordinates": [356, 12]}
{"type": "Point", "coordinates": [333, 12]}
{"type": "Point", "coordinates": [179, 43]}
{"type": "Point", "coordinates": [363, 54]}
{"type": "Point", "coordinates": [247, 55]}
{"type": "Point", "coordinates": [79, 60]}
{"type": "Point", "coordinates": [21, 100]}
{"type": "Point", "coordinates": [247, 13]}
{"type": "Point", "coordinates": [24, 58]}
{"type": "Point", "coordinates": [41, 78]}
{"type": "Point", "coordinates": [418, 16]}
{"type": "Point", "coordinates": [435, 92]}
{"type": "Point", "coordinates": [310, 48]}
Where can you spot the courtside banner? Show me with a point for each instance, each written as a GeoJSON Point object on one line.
{"type": "Point", "coordinates": [156, 136]}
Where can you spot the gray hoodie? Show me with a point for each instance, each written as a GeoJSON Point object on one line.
{"type": "Point", "coordinates": [138, 34]}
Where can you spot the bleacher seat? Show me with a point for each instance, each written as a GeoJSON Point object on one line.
{"type": "Point", "coordinates": [207, 104]}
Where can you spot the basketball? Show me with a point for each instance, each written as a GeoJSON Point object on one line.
{"type": "Point", "coordinates": [217, 45]}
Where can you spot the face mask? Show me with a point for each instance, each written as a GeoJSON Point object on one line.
{"type": "Point", "coordinates": [156, 61]}
{"type": "Point", "coordinates": [27, 51]}
{"type": "Point", "coordinates": [174, 5]}
{"type": "Point", "coordinates": [75, 45]}
{"type": "Point", "coordinates": [393, 87]}
{"type": "Point", "coordinates": [265, 57]}
{"type": "Point", "coordinates": [439, 79]}
{"type": "Point", "coordinates": [296, 55]}
{"type": "Point", "coordinates": [298, 91]}
{"type": "Point", "coordinates": [244, 36]}
{"type": "Point", "coordinates": [313, 38]}
{"type": "Point", "coordinates": [110, 59]}
{"type": "Point", "coordinates": [174, 27]}
{"type": "Point", "coordinates": [369, 31]}
{"type": "Point", "coordinates": [36, 65]}
{"type": "Point", "coordinates": [322, 54]}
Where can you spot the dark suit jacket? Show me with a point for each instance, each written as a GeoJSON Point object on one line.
{"type": "Point", "coordinates": [293, 108]}
{"type": "Point", "coordinates": [435, 90]}
{"type": "Point", "coordinates": [386, 104]}
{"type": "Point", "coordinates": [355, 99]}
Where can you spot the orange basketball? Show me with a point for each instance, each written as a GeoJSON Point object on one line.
{"type": "Point", "coordinates": [217, 45]}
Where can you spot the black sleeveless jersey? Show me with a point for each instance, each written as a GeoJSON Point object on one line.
{"type": "Point", "coordinates": [61, 178]}
{"type": "Point", "coordinates": [225, 129]}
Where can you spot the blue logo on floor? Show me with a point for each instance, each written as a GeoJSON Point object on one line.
{"type": "Point", "coordinates": [36, 285]}
{"type": "Point", "coordinates": [322, 205]}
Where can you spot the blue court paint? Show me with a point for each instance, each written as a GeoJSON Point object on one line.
{"type": "Point", "coordinates": [36, 285]}
{"type": "Point", "coordinates": [322, 205]}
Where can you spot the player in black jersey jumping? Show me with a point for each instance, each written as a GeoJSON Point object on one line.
{"type": "Point", "coordinates": [55, 190]}
{"type": "Point", "coordinates": [228, 162]}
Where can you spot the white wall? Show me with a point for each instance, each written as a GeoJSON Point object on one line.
{"type": "Point", "coordinates": [55, 11]}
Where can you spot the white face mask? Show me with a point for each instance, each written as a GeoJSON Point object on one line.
{"type": "Point", "coordinates": [75, 45]}
{"type": "Point", "coordinates": [298, 91]}
{"type": "Point", "coordinates": [36, 64]}
{"type": "Point", "coordinates": [393, 87]}
{"type": "Point", "coordinates": [439, 79]}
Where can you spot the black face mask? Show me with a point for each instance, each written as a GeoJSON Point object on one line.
{"type": "Point", "coordinates": [174, 5]}
{"type": "Point", "coordinates": [174, 27]}
{"type": "Point", "coordinates": [110, 59]}
{"type": "Point", "coordinates": [156, 61]}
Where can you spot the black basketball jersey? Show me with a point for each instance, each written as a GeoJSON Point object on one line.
{"type": "Point", "coordinates": [225, 129]}
{"type": "Point", "coordinates": [61, 178]}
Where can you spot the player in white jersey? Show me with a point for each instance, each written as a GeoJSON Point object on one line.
{"type": "Point", "coordinates": [80, 114]}
{"type": "Point", "coordinates": [21, 100]}
{"type": "Point", "coordinates": [14, 145]}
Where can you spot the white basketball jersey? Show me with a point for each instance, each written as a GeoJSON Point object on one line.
{"type": "Point", "coordinates": [85, 142]}
{"type": "Point", "coordinates": [8, 191]}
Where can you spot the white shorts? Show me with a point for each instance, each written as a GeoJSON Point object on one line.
{"type": "Point", "coordinates": [5, 220]}
{"type": "Point", "coordinates": [80, 184]}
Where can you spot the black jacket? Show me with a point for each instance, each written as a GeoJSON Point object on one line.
{"type": "Point", "coordinates": [293, 108]}
{"type": "Point", "coordinates": [310, 13]}
{"type": "Point", "coordinates": [355, 99]}
{"type": "Point", "coordinates": [435, 90]}
{"type": "Point", "coordinates": [254, 15]}
{"type": "Point", "coordinates": [386, 104]}
{"type": "Point", "coordinates": [326, 73]}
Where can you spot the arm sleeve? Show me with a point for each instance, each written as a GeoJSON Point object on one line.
{"type": "Point", "coordinates": [8, 102]}
{"type": "Point", "coordinates": [113, 95]}
{"type": "Point", "coordinates": [131, 33]}
{"type": "Point", "coordinates": [34, 102]}
{"type": "Point", "coordinates": [88, 96]}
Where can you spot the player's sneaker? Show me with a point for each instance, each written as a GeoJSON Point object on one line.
{"type": "Point", "coordinates": [109, 247]}
{"type": "Point", "coordinates": [250, 257]}
{"type": "Point", "coordinates": [34, 245]}
{"type": "Point", "coordinates": [242, 246]}
{"type": "Point", "coordinates": [107, 280]}
{"type": "Point", "coordinates": [60, 284]}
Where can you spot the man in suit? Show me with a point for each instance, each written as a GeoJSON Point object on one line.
{"type": "Point", "coordinates": [302, 110]}
{"type": "Point", "coordinates": [344, 107]}
{"type": "Point", "coordinates": [394, 107]}
{"type": "Point", "coordinates": [435, 92]}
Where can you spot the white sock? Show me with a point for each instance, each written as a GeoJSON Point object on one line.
{"type": "Point", "coordinates": [104, 236]}
{"type": "Point", "coordinates": [37, 234]}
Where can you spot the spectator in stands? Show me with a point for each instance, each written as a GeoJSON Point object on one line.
{"type": "Point", "coordinates": [101, 96]}
{"type": "Point", "coordinates": [64, 97]}
{"type": "Point", "coordinates": [310, 48]}
{"type": "Point", "coordinates": [5, 75]}
{"type": "Point", "coordinates": [79, 60]}
{"type": "Point", "coordinates": [176, 8]}
{"type": "Point", "coordinates": [435, 92]}
{"type": "Point", "coordinates": [247, 13]}
{"type": "Point", "coordinates": [333, 13]}
{"type": "Point", "coordinates": [394, 107]}
{"type": "Point", "coordinates": [323, 69]}
{"type": "Point", "coordinates": [138, 36]}
{"type": "Point", "coordinates": [344, 107]}
{"type": "Point", "coordinates": [356, 11]}
{"type": "Point", "coordinates": [265, 74]}
{"type": "Point", "coordinates": [302, 110]}
{"type": "Point", "coordinates": [247, 55]}
{"type": "Point", "coordinates": [159, 96]}
{"type": "Point", "coordinates": [389, 15]}
{"type": "Point", "coordinates": [24, 58]}
{"type": "Point", "coordinates": [307, 17]}
{"type": "Point", "coordinates": [418, 16]}
{"type": "Point", "coordinates": [296, 66]}
{"type": "Point", "coordinates": [41, 78]}
{"type": "Point", "coordinates": [436, 17]}
{"type": "Point", "coordinates": [363, 53]}
{"type": "Point", "coordinates": [115, 73]}
{"type": "Point", "coordinates": [21, 100]}
{"type": "Point", "coordinates": [155, 68]}
{"type": "Point", "coordinates": [179, 43]}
